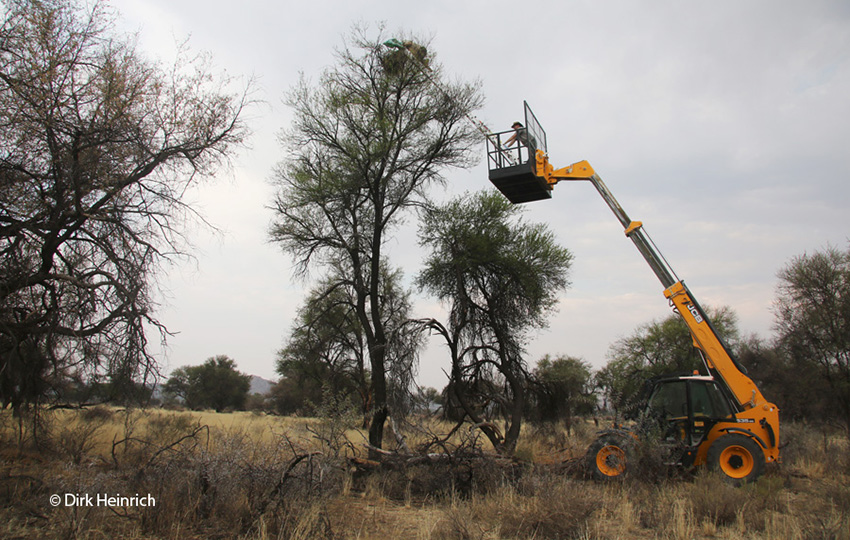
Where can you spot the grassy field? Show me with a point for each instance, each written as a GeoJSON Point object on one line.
{"type": "Point", "coordinates": [180, 475]}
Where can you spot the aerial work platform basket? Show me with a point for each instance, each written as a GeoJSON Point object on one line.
{"type": "Point", "coordinates": [512, 164]}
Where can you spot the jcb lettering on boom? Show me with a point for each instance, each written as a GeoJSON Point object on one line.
{"type": "Point", "coordinates": [695, 312]}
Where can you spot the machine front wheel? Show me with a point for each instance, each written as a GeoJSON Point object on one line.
{"type": "Point", "coordinates": [739, 458]}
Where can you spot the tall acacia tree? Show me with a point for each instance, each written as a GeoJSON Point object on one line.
{"type": "Point", "coordinates": [367, 141]}
{"type": "Point", "coordinates": [97, 148]}
{"type": "Point", "coordinates": [501, 277]}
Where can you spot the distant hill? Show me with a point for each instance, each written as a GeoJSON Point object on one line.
{"type": "Point", "coordinates": [260, 385]}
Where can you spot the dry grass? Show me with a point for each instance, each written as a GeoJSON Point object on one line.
{"type": "Point", "coordinates": [246, 476]}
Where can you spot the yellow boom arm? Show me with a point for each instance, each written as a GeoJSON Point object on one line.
{"type": "Point", "coordinates": [755, 410]}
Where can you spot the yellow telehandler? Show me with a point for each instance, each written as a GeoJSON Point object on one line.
{"type": "Point", "coordinates": [719, 418]}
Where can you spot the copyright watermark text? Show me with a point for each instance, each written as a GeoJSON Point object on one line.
{"type": "Point", "coordinates": [101, 500]}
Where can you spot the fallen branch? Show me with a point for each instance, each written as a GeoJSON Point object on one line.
{"type": "Point", "coordinates": [398, 436]}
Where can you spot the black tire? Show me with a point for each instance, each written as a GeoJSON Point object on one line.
{"type": "Point", "coordinates": [611, 456]}
{"type": "Point", "coordinates": [738, 458]}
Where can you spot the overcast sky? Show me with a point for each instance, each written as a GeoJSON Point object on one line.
{"type": "Point", "coordinates": [723, 126]}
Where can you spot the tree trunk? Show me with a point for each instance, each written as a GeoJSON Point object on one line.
{"type": "Point", "coordinates": [512, 433]}
{"type": "Point", "coordinates": [379, 398]}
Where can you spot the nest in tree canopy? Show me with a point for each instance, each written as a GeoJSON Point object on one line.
{"type": "Point", "coordinates": [394, 61]}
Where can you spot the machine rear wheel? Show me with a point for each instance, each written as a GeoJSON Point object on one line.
{"type": "Point", "coordinates": [610, 456]}
{"type": "Point", "coordinates": [739, 458]}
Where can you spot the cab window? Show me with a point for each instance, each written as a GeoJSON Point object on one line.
{"type": "Point", "coordinates": [707, 400]}
{"type": "Point", "coordinates": [670, 400]}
